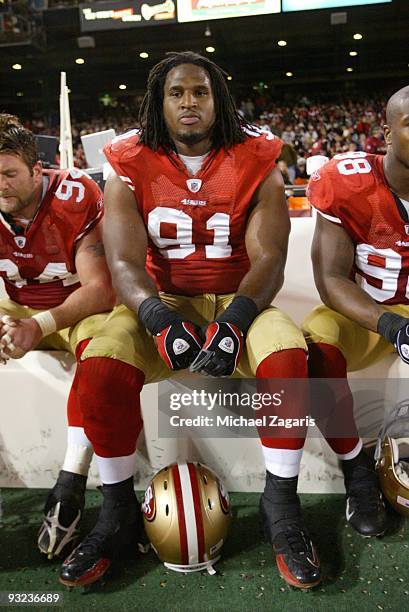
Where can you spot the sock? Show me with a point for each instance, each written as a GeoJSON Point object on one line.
{"type": "Point", "coordinates": [327, 361]}
{"type": "Point", "coordinates": [282, 455]}
{"type": "Point", "coordinates": [109, 395]}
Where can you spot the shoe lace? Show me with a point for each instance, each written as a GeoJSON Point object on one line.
{"type": "Point", "coordinates": [297, 539]}
{"type": "Point", "coordinates": [362, 489]}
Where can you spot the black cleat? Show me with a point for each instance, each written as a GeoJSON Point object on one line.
{"type": "Point", "coordinates": [117, 530]}
{"type": "Point", "coordinates": [365, 510]}
{"type": "Point", "coordinates": [62, 515]}
{"type": "Point", "coordinates": [296, 557]}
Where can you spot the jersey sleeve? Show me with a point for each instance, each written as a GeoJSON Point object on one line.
{"type": "Point", "coordinates": [94, 209]}
{"type": "Point", "coordinates": [122, 150]}
{"type": "Point", "coordinates": [265, 149]}
{"type": "Point", "coordinates": [324, 192]}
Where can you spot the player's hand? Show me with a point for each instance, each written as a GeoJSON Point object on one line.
{"type": "Point", "coordinates": [179, 343]}
{"type": "Point", "coordinates": [221, 351]}
{"type": "Point", "coordinates": [395, 328]}
{"type": "Point", "coordinates": [18, 336]}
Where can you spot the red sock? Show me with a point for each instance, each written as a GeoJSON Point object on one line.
{"type": "Point", "coordinates": [109, 397]}
{"type": "Point", "coordinates": [327, 361]}
{"type": "Point", "coordinates": [74, 414]}
{"type": "Point", "coordinates": [289, 363]}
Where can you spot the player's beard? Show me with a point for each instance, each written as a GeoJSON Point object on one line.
{"type": "Point", "coordinates": [12, 205]}
{"type": "Point", "coordinates": [190, 138]}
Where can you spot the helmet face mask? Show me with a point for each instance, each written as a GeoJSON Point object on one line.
{"type": "Point", "coordinates": [187, 516]}
{"type": "Point", "coordinates": [393, 472]}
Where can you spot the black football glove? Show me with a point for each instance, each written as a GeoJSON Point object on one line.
{"type": "Point", "coordinates": [178, 341]}
{"type": "Point", "coordinates": [221, 351]}
{"type": "Point", "coordinates": [395, 329]}
{"type": "Point", "coordinates": [179, 344]}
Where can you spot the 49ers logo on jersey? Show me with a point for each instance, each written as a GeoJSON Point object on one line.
{"type": "Point", "coordinates": [224, 497]}
{"type": "Point", "coordinates": [149, 506]}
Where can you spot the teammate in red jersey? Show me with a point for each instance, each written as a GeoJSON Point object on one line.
{"type": "Point", "coordinates": [196, 234]}
{"type": "Point", "coordinates": [361, 266]}
{"type": "Point", "coordinates": [54, 270]}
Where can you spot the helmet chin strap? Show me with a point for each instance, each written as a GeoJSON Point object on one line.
{"type": "Point", "coordinates": [197, 567]}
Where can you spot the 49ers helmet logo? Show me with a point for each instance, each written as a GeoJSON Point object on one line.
{"type": "Point", "coordinates": [149, 506]}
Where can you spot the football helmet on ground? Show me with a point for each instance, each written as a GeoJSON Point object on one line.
{"type": "Point", "coordinates": [187, 514]}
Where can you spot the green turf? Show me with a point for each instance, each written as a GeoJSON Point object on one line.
{"type": "Point", "coordinates": [359, 574]}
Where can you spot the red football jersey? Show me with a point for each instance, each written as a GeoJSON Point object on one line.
{"type": "Point", "coordinates": [195, 225]}
{"type": "Point", "coordinates": [38, 267]}
{"type": "Point", "coordinates": [352, 190]}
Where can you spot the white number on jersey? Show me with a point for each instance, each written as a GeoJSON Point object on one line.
{"type": "Point", "coordinates": [386, 269]}
{"type": "Point", "coordinates": [52, 272]}
{"type": "Point", "coordinates": [66, 190]}
{"type": "Point", "coordinates": [219, 223]}
{"type": "Point", "coordinates": [353, 163]}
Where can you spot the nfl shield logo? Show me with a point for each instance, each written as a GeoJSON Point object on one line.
{"type": "Point", "coordinates": [407, 229]}
{"type": "Point", "coordinates": [194, 185]}
{"type": "Point", "coordinates": [20, 241]}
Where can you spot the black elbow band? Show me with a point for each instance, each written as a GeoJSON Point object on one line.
{"type": "Point", "coordinates": [389, 324]}
{"type": "Point", "coordinates": [241, 313]}
{"type": "Point", "coordinates": [155, 316]}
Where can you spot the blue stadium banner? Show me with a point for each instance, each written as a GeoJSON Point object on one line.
{"type": "Point", "coordinates": [125, 14]}
{"type": "Point", "coordinates": [306, 5]}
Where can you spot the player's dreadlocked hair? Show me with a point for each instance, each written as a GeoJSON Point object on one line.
{"type": "Point", "coordinates": [17, 140]}
{"type": "Point", "coordinates": [228, 126]}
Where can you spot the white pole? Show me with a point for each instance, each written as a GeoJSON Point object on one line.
{"type": "Point", "coordinates": [66, 152]}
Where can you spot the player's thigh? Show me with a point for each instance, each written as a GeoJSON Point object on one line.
{"type": "Point", "coordinates": [272, 331]}
{"type": "Point", "coordinates": [360, 347]}
{"type": "Point", "coordinates": [121, 336]}
{"type": "Point", "coordinates": [200, 308]}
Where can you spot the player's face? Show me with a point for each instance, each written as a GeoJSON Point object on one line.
{"type": "Point", "coordinates": [188, 108]}
{"type": "Point", "coordinates": [19, 185]}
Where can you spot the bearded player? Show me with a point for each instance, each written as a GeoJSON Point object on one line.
{"type": "Point", "coordinates": [361, 267]}
{"type": "Point", "coordinates": [54, 270]}
{"type": "Point", "coordinates": [196, 234]}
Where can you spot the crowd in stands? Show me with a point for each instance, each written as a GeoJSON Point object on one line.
{"type": "Point", "coordinates": [306, 129]}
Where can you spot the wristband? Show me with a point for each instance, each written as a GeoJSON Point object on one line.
{"type": "Point", "coordinates": [46, 322]}
{"type": "Point", "coordinates": [389, 324]}
{"type": "Point", "coordinates": [241, 313]}
{"type": "Point", "coordinates": [155, 316]}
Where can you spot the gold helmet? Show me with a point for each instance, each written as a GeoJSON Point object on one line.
{"type": "Point", "coordinates": [391, 450]}
{"type": "Point", "coordinates": [393, 473]}
{"type": "Point", "coordinates": [187, 515]}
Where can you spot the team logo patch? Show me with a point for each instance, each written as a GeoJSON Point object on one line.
{"type": "Point", "coordinates": [148, 506]}
{"type": "Point", "coordinates": [20, 241]}
{"type": "Point", "coordinates": [180, 346]}
{"type": "Point", "coordinates": [194, 185]}
{"type": "Point", "coordinates": [315, 176]}
{"type": "Point", "coordinates": [404, 349]}
{"type": "Point", "coordinates": [223, 497]}
{"type": "Point", "coordinates": [227, 344]}
{"type": "Point", "coordinates": [407, 229]}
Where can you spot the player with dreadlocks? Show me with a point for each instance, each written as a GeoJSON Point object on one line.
{"type": "Point", "coordinates": [196, 234]}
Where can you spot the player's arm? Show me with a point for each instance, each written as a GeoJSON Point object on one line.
{"type": "Point", "coordinates": [333, 257]}
{"type": "Point", "coordinates": [93, 296]}
{"type": "Point", "coordinates": [126, 243]}
{"type": "Point", "coordinates": [267, 233]}
{"type": "Point", "coordinates": [266, 238]}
